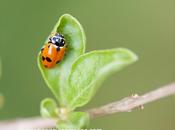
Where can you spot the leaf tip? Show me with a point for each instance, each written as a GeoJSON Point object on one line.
{"type": "Point", "coordinates": [133, 57]}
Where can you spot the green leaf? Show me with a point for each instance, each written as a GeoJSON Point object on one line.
{"type": "Point", "coordinates": [90, 69]}
{"type": "Point", "coordinates": [76, 120]}
{"type": "Point", "coordinates": [48, 108]}
{"type": "Point", "coordinates": [56, 78]}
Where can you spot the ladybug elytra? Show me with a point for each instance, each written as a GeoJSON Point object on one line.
{"type": "Point", "coordinates": [53, 52]}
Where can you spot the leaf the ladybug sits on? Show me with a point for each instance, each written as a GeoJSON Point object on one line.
{"type": "Point", "coordinates": [67, 31]}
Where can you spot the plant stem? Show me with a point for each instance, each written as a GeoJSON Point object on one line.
{"type": "Point", "coordinates": [127, 104]}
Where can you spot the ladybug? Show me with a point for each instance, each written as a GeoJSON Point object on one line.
{"type": "Point", "coordinates": [53, 52]}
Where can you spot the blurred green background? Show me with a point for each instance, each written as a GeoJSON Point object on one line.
{"type": "Point", "coordinates": [145, 26]}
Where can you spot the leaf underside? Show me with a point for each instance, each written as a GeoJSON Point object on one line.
{"type": "Point", "coordinates": [90, 69]}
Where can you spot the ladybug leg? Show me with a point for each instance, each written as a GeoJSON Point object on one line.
{"type": "Point", "coordinates": [42, 49]}
{"type": "Point", "coordinates": [58, 48]}
{"type": "Point", "coordinates": [57, 61]}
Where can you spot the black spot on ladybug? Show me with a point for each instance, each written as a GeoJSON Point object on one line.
{"type": "Point", "coordinates": [45, 66]}
{"type": "Point", "coordinates": [57, 61]}
{"type": "Point", "coordinates": [48, 46]}
{"type": "Point", "coordinates": [58, 49]}
{"type": "Point", "coordinates": [48, 59]}
{"type": "Point", "coordinates": [43, 58]}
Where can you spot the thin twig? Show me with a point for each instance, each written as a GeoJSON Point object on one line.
{"type": "Point", "coordinates": [125, 105]}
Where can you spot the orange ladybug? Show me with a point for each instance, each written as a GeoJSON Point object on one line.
{"type": "Point", "coordinates": [53, 52]}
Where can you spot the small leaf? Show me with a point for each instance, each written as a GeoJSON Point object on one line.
{"type": "Point", "coordinates": [56, 78]}
{"type": "Point", "coordinates": [48, 108]}
{"type": "Point", "coordinates": [76, 120]}
{"type": "Point", "coordinates": [90, 69]}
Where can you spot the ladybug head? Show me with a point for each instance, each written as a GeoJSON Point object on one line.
{"type": "Point", "coordinates": [57, 39]}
